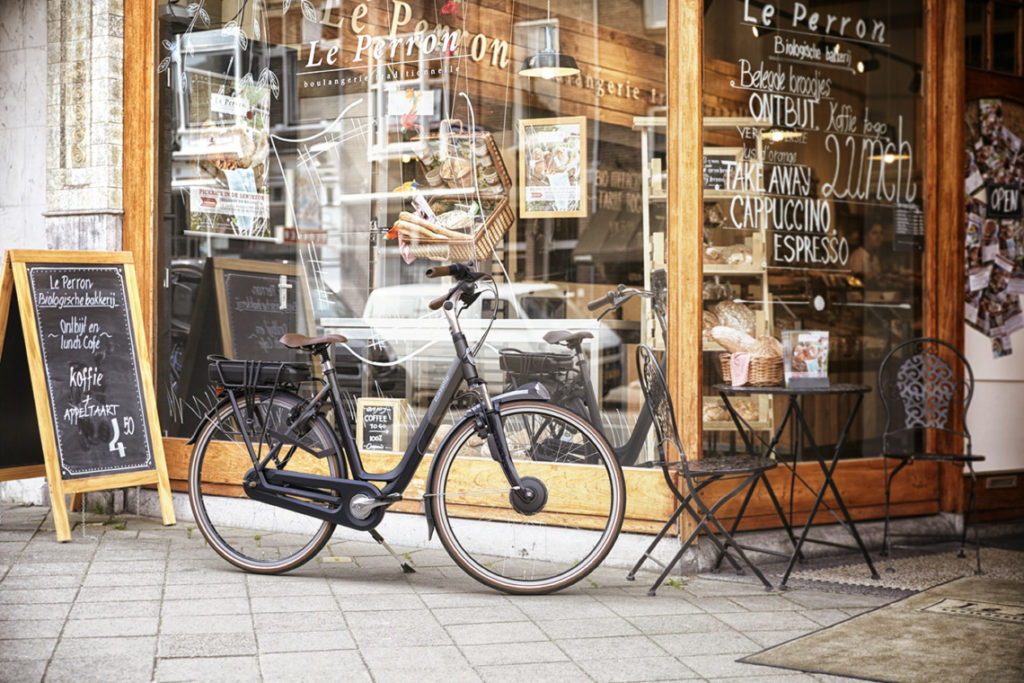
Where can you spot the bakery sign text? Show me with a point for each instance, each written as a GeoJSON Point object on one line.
{"type": "Point", "coordinates": [404, 37]}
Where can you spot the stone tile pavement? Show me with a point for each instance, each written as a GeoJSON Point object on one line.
{"type": "Point", "coordinates": [128, 599]}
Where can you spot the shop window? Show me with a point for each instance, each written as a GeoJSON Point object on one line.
{"type": "Point", "coordinates": [306, 148]}
{"type": "Point", "coordinates": [813, 194]}
{"type": "Point", "coordinates": [995, 35]}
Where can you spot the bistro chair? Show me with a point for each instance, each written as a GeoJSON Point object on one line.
{"type": "Point", "coordinates": [926, 387]}
{"type": "Point", "coordinates": [697, 475]}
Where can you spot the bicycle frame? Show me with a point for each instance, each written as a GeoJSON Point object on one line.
{"type": "Point", "coordinates": [356, 503]}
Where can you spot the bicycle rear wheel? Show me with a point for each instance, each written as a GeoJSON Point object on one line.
{"type": "Point", "coordinates": [254, 536]}
{"type": "Point", "coordinates": [537, 547]}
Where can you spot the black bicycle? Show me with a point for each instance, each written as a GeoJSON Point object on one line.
{"type": "Point", "coordinates": [566, 376]}
{"type": "Point", "coordinates": [525, 496]}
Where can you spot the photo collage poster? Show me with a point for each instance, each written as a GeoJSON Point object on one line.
{"type": "Point", "coordinates": [994, 255]}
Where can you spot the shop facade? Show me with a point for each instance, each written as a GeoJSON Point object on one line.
{"type": "Point", "coordinates": [760, 167]}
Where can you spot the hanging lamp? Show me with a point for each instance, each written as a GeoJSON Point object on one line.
{"type": "Point", "coordinates": [548, 63]}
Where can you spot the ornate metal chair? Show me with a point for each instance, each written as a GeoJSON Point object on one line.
{"type": "Point", "coordinates": [697, 474]}
{"type": "Point", "coordinates": [926, 387]}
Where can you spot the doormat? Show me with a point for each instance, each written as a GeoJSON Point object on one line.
{"type": "Point", "coordinates": [918, 572]}
{"type": "Point", "coordinates": [969, 629]}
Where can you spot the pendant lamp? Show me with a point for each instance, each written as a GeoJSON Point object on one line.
{"type": "Point", "coordinates": [548, 63]}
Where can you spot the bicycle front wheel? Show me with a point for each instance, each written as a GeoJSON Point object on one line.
{"type": "Point", "coordinates": [251, 535]}
{"type": "Point", "coordinates": [532, 547]}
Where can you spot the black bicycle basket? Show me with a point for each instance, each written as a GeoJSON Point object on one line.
{"type": "Point", "coordinates": [521, 367]}
{"type": "Point", "coordinates": [254, 374]}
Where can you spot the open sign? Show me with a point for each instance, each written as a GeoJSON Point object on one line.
{"type": "Point", "coordinates": [1003, 200]}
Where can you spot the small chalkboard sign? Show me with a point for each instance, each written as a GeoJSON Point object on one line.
{"type": "Point", "coordinates": [81, 340]}
{"type": "Point", "coordinates": [720, 164]}
{"type": "Point", "coordinates": [380, 425]}
{"type": "Point", "coordinates": [259, 302]}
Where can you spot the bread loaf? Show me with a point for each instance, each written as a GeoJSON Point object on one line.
{"type": "Point", "coordinates": [708, 322]}
{"type": "Point", "coordinates": [766, 347]}
{"type": "Point", "coordinates": [736, 316]}
{"type": "Point", "coordinates": [732, 340]}
{"type": "Point", "coordinates": [715, 413]}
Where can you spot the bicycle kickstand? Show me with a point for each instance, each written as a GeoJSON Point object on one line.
{"type": "Point", "coordinates": [406, 567]}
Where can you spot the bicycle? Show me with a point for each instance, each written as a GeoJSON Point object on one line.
{"type": "Point", "coordinates": [566, 376]}
{"type": "Point", "coordinates": [505, 487]}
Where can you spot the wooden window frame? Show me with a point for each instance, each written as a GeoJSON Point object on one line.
{"type": "Point", "coordinates": [944, 82]}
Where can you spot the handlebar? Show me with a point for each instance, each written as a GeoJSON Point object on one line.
{"type": "Point", "coordinates": [459, 271]}
{"type": "Point", "coordinates": [437, 303]}
{"type": "Point", "coordinates": [598, 303]}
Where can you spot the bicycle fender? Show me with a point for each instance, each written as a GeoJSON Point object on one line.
{"type": "Point", "coordinates": [531, 391]}
{"type": "Point", "coordinates": [207, 416]}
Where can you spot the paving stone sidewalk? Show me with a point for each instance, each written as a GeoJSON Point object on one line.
{"type": "Point", "coordinates": [128, 599]}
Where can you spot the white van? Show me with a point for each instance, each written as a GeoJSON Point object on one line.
{"type": "Point", "coordinates": [401, 317]}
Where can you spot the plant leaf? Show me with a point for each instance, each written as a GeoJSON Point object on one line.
{"type": "Point", "coordinates": [309, 12]}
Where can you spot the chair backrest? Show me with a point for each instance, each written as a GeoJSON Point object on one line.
{"type": "Point", "coordinates": [926, 386]}
{"type": "Point", "coordinates": [658, 401]}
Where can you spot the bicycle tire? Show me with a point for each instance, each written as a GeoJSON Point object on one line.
{"type": "Point", "coordinates": [284, 539]}
{"type": "Point", "coordinates": [524, 552]}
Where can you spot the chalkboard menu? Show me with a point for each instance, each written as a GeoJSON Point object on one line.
{"type": "Point", "coordinates": [381, 424]}
{"type": "Point", "coordinates": [718, 163]}
{"type": "Point", "coordinates": [824, 103]}
{"type": "Point", "coordinates": [252, 304]}
{"type": "Point", "coordinates": [259, 308]}
{"type": "Point", "coordinates": [71, 337]}
{"type": "Point", "coordinates": [91, 368]}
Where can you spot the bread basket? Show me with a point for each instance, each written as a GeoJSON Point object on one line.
{"type": "Point", "coordinates": [764, 372]}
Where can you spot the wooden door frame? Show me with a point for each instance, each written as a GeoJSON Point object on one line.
{"type": "Point", "coordinates": [944, 83]}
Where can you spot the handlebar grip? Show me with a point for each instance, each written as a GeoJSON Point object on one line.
{"type": "Point", "coordinates": [459, 271]}
{"type": "Point", "coordinates": [598, 303]}
{"type": "Point", "coordinates": [438, 302]}
{"type": "Point", "coordinates": [438, 271]}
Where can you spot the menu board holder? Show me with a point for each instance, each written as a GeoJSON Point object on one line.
{"type": "Point", "coordinates": [79, 335]}
{"type": "Point", "coordinates": [380, 424]}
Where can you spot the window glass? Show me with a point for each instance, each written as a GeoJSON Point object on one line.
{"type": "Point", "coordinates": [813, 195]}
{"type": "Point", "coordinates": [316, 157]}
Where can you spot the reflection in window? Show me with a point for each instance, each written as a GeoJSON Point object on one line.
{"type": "Point", "coordinates": [316, 157]}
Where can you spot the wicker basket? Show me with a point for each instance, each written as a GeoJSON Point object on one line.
{"type": "Point", "coordinates": [497, 212]}
{"type": "Point", "coordinates": [764, 372]}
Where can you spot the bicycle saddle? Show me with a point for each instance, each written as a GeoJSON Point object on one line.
{"type": "Point", "coordinates": [566, 337]}
{"type": "Point", "coordinates": [293, 340]}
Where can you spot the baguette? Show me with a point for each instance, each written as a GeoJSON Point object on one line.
{"type": "Point", "coordinates": [417, 231]}
{"type": "Point", "coordinates": [437, 229]}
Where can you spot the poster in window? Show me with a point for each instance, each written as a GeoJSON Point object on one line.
{"type": "Point", "coordinates": [230, 151]}
{"type": "Point", "coordinates": [552, 167]}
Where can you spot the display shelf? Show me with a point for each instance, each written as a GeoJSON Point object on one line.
{"type": "Point", "coordinates": [753, 275]}
{"type": "Point", "coordinates": [763, 423]}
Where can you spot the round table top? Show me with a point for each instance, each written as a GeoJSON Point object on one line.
{"type": "Point", "coordinates": [784, 390]}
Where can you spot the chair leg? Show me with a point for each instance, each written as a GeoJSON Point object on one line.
{"type": "Point", "coordinates": [657, 539]}
{"type": "Point", "coordinates": [972, 511]}
{"type": "Point", "coordinates": [709, 514]}
{"type": "Point", "coordinates": [886, 536]}
{"type": "Point", "coordinates": [682, 549]}
{"type": "Point", "coordinates": [739, 515]}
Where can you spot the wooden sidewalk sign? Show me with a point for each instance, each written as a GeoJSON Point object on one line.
{"type": "Point", "coordinates": [77, 344]}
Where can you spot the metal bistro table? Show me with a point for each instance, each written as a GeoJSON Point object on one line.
{"type": "Point", "coordinates": [794, 411]}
